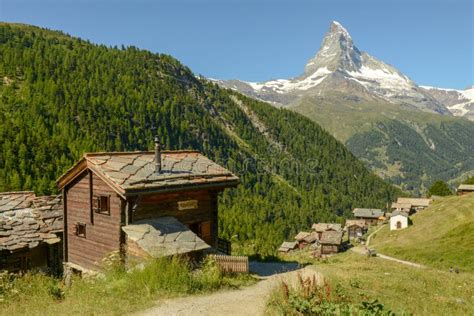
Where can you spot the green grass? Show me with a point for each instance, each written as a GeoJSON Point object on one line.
{"type": "Point", "coordinates": [402, 289]}
{"type": "Point", "coordinates": [442, 236]}
{"type": "Point", "coordinates": [116, 292]}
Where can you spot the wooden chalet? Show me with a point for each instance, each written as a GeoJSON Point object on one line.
{"type": "Point", "coordinates": [330, 242]}
{"type": "Point", "coordinates": [417, 204]}
{"type": "Point", "coordinates": [465, 189]}
{"type": "Point", "coordinates": [141, 204]}
{"type": "Point", "coordinates": [370, 216]}
{"type": "Point", "coordinates": [30, 232]}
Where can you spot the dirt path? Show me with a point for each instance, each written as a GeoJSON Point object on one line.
{"type": "Point", "coordinates": [363, 251]}
{"type": "Point", "coordinates": [246, 301]}
{"type": "Point", "coordinates": [373, 233]}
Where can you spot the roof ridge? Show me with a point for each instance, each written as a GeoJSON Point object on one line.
{"type": "Point", "coordinates": [114, 153]}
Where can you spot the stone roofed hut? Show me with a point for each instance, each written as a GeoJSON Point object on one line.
{"type": "Point", "coordinates": [319, 228]}
{"type": "Point", "coordinates": [330, 241]}
{"type": "Point", "coordinates": [355, 228]}
{"type": "Point", "coordinates": [30, 232]}
{"type": "Point", "coordinates": [106, 195]}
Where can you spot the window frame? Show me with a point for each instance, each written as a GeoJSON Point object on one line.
{"type": "Point", "coordinates": [98, 204]}
{"type": "Point", "coordinates": [77, 230]}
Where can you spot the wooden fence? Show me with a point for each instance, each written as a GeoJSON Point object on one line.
{"type": "Point", "coordinates": [224, 246]}
{"type": "Point", "coordinates": [232, 264]}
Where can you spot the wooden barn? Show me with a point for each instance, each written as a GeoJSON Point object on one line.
{"type": "Point", "coordinates": [355, 228]}
{"type": "Point", "coordinates": [141, 204]}
{"type": "Point", "coordinates": [30, 232]}
{"type": "Point", "coordinates": [465, 189]}
{"type": "Point", "coordinates": [417, 204]}
{"type": "Point", "coordinates": [330, 241]}
{"type": "Point", "coordinates": [370, 216]}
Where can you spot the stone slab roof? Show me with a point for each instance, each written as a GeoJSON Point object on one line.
{"type": "Point", "coordinates": [287, 246]}
{"type": "Point", "coordinates": [164, 236]}
{"type": "Point", "coordinates": [466, 187]}
{"type": "Point", "coordinates": [135, 171]}
{"type": "Point", "coordinates": [415, 202]}
{"type": "Point", "coordinates": [26, 220]}
{"type": "Point", "coordinates": [396, 205]}
{"type": "Point", "coordinates": [355, 222]}
{"type": "Point", "coordinates": [312, 237]}
{"type": "Point", "coordinates": [368, 212]}
{"type": "Point", "coordinates": [320, 227]}
{"type": "Point", "coordinates": [301, 236]}
{"type": "Point", "coordinates": [331, 237]}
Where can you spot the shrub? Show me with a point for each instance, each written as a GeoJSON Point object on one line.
{"type": "Point", "coordinates": [440, 188]}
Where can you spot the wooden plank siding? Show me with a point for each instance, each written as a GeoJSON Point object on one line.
{"type": "Point", "coordinates": [166, 204]}
{"type": "Point", "coordinates": [232, 264]}
{"type": "Point", "coordinates": [329, 249]}
{"type": "Point", "coordinates": [103, 232]}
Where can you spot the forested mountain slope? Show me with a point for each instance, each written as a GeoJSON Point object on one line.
{"type": "Point", "coordinates": [62, 96]}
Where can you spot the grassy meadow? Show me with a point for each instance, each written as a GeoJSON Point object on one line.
{"type": "Point", "coordinates": [116, 292]}
{"type": "Point", "coordinates": [441, 236]}
{"type": "Point", "coordinates": [356, 281]}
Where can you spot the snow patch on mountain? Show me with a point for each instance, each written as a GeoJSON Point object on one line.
{"type": "Point", "coordinates": [285, 85]}
{"type": "Point", "coordinates": [458, 102]}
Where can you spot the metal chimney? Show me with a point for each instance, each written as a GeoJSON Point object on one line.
{"type": "Point", "coordinates": [157, 155]}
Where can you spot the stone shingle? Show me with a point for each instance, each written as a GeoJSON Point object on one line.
{"type": "Point", "coordinates": [29, 220]}
{"type": "Point", "coordinates": [164, 236]}
{"type": "Point", "coordinates": [136, 171]}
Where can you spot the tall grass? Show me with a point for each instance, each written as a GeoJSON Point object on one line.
{"type": "Point", "coordinates": [117, 291]}
{"type": "Point", "coordinates": [310, 297]}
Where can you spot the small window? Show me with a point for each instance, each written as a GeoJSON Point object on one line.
{"type": "Point", "coordinates": [81, 230]}
{"type": "Point", "coordinates": [101, 204]}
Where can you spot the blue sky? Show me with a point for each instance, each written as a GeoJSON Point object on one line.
{"type": "Point", "coordinates": [431, 41]}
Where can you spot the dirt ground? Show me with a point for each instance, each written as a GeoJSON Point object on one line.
{"type": "Point", "coordinates": [246, 301]}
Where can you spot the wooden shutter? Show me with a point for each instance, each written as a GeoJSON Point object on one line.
{"type": "Point", "coordinates": [205, 231]}
{"type": "Point", "coordinates": [96, 204]}
{"type": "Point", "coordinates": [104, 204]}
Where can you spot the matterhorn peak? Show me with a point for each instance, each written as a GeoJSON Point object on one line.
{"type": "Point", "coordinates": [337, 28]}
{"type": "Point", "coordinates": [337, 52]}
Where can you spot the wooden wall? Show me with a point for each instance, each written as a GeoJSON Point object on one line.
{"type": "Point", "coordinates": [23, 260]}
{"type": "Point", "coordinates": [166, 204]}
{"type": "Point", "coordinates": [328, 249]}
{"type": "Point", "coordinates": [103, 232]}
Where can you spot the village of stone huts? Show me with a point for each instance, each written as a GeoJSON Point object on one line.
{"type": "Point", "coordinates": [325, 239]}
